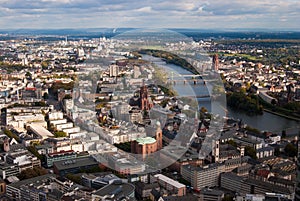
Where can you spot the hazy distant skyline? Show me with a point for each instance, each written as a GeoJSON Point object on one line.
{"type": "Point", "coordinates": [198, 14]}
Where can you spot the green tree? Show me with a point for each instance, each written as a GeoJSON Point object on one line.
{"type": "Point", "coordinates": [45, 64]}
{"type": "Point", "coordinates": [273, 102]}
{"type": "Point", "coordinates": [30, 173]}
{"type": "Point", "coordinates": [46, 96]}
{"type": "Point", "coordinates": [40, 104]}
{"type": "Point", "coordinates": [254, 130]}
{"type": "Point", "coordinates": [246, 103]}
{"type": "Point", "coordinates": [11, 134]}
{"type": "Point", "coordinates": [28, 74]}
{"type": "Point", "coordinates": [58, 134]}
{"type": "Point", "coordinates": [290, 150]}
{"type": "Point", "coordinates": [74, 178]}
{"type": "Point", "coordinates": [250, 151]}
{"type": "Point", "coordinates": [228, 198]}
{"type": "Point", "coordinates": [277, 151]}
{"type": "Point", "coordinates": [33, 150]}
{"type": "Point", "coordinates": [232, 142]}
{"type": "Point", "coordinates": [203, 111]}
{"type": "Point", "coordinates": [68, 96]}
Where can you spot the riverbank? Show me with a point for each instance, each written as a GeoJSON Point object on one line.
{"type": "Point", "coordinates": [265, 122]}
{"type": "Point", "coordinates": [170, 58]}
{"type": "Point", "coordinates": [278, 111]}
{"type": "Point", "coordinates": [281, 115]}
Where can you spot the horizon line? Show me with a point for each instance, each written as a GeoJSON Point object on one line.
{"type": "Point", "coordinates": [178, 28]}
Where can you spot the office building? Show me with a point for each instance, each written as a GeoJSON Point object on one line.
{"type": "Point", "coordinates": [59, 156]}
{"type": "Point", "coordinates": [73, 166]}
{"type": "Point", "coordinates": [115, 191]}
{"type": "Point", "coordinates": [172, 186]}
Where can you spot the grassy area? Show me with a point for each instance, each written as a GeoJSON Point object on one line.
{"type": "Point", "coordinates": [246, 56]}
{"type": "Point", "coordinates": [126, 146]}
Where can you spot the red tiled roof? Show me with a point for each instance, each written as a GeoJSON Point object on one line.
{"type": "Point", "coordinates": [61, 152]}
{"type": "Point", "coordinates": [263, 173]}
{"type": "Point", "coordinates": [30, 88]}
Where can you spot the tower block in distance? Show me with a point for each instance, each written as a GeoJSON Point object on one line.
{"type": "Point", "coordinates": [215, 62]}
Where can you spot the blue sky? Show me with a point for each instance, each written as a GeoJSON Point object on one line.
{"type": "Point", "coordinates": [200, 14]}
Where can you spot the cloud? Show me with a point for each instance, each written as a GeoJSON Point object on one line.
{"type": "Point", "coordinates": [147, 9]}
{"type": "Point", "coordinates": [152, 13]}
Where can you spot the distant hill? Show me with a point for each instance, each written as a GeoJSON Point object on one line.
{"type": "Point", "coordinates": [196, 34]}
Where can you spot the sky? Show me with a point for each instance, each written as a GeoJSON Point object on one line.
{"type": "Point", "coordinates": [197, 14]}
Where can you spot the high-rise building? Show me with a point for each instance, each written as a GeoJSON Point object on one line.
{"type": "Point", "coordinates": [216, 150]}
{"type": "Point", "coordinates": [215, 62]}
{"type": "Point", "coordinates": [113, 70]}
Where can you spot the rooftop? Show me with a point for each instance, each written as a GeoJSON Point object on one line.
{"type": "Point", "coordinates": [116, 190]}
{"type": "Point", "coordinates": [145, 140]}
{"type": "Point", "coordinates": [34, 180]}
{"type": "Point", "coordinates": [169, 181]}
{"type": "Point", "coordinates": [213, 192]}
{"type": "Point", "coordinates": [40, 130]}
{"type": "Point", "coordinates": [74, 163]}
{"type": "Point", "coordinates": [62, 152]}
{"type": "Point", "coordinates": [180, 198]}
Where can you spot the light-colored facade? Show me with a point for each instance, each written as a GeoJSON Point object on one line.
{"type": "Point", "coordinates": [171, 185]}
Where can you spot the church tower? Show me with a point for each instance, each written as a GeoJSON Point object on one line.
{"type": "Point", "coordinates": [216, 150]}
{"type": "Point", "coordinates": [144, 101]}
{"type": "Point", "coordinates": [215, 62]}
{"type": "Point", "coordinates": [158, 136]}
{"type": "Point", "coordinates": [6, 147]}
{"type": "Point", "coordinates": [144, 98]}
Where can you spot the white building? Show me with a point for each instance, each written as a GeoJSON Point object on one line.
{"type": "Point", "coordinates": [64, 126]}
{"type": "Point", "coordinates": [40, 131]}
{"type": "Point", "coordinates": [71, 130]}
{"type": "Point", "coordinates": [60, 121]}
{"type": "Point", "coordinates": [55, 115]}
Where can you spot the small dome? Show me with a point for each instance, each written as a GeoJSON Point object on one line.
{"type": "Point", "coordinates": [157, 123]}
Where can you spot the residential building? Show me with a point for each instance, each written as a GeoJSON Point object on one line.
{"type": "Point", "coordinates": [143, 190]}
{"type": "Point", "coordinates": [200, 177]}
{"type": "Point", "coordinates": [172, 186]}
{"type": "Point", "coordinates": [23, 158]}
{"type": "Point", "coordinates": [59, 156]}
{"type": "Point", "coordinates": [7, 170]}
{"type": "Point", "coordinates": [44, 149]}
{"type": "Point", "coordinates": [245, 185]}
{"type": "Point", "coordinates": [265, 152]}
{"type": "Point", "coordinates": [46, 187]}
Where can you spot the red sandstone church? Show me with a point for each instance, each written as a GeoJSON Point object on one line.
{"type": "Point", "coordinates": [148, 145]}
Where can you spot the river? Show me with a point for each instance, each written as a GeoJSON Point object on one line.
{"type": "Point", "coordinates": [265, 122]}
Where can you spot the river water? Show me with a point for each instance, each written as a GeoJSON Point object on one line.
{"type": "Point", "coordinates": [265, 122]}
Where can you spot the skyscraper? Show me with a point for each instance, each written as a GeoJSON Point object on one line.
{"type": "Point", "coordinates": [215, 63]}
